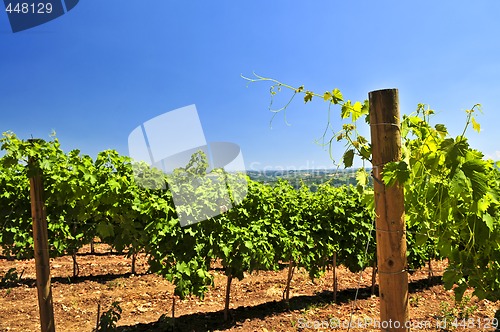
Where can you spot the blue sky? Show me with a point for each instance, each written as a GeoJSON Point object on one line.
{"type": "Point", "coordinates": [96, 73]}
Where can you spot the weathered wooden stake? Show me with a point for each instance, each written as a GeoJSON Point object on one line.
{"type": "Point", "coordinates": [76, 268]}
{"type": "Point", "coordinates": [389, 209]}
{"type": "Point", "coordinates": [98, 316]}
{"type": "Point", "coordinates": [335, 282]}
{"type": "Point", "coordinates": [374, 276]}
{"type": "Point", "coordinates": [430, 273]}
{"type": "Point", "coordinates": [134, 257]}
{"type": "Point", "coordinates": [173, 312]}
{"type": "Point", "coordinates": [228, 292]}
{"type": "Point", "coordinates": [41, 247]}
{"type": "Point", "coordinates": [286, 293]}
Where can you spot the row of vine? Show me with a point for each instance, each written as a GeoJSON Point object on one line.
{"type": "Point", "coordinates": [274, 224]}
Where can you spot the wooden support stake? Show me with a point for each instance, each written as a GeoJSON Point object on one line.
{"type": "Point", "coordinates": [76, 268]}
{"type": "Point", "coordinates": [430, 273]}
{"type": "Point", "coordinates": [286, 292]}
{"type": "Point", "coordinates": [134, 258]}
{"type": "Point", "coordinates": [228, 292]}
{"type": "Point", "coordinates": [335, 282]}
{"type": "Point", "coordinates": [98, 316]}
{"type": "Point", "coordinates": [389, 209]}
{"type": "Point", "coordinates": [41, 247]}
{"type": "Point", "coordinates": [173, 313]}
{"type": "Point", "coordinates": [374, 276]}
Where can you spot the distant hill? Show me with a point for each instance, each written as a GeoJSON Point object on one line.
{"type": "Point", "coordinates": [311, 177]}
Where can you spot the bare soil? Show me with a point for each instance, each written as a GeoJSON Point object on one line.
{"type": "Point", "coordinates": [256, 301]}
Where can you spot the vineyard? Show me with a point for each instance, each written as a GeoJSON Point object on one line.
{"type": "Point", "coordinates": [89, 199]}
{"type": "Point", "coordinates": [451, 201]}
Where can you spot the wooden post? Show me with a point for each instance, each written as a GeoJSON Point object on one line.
{"type": "Point", "coordinates": [228, 292]}
{"type": "Point", "coordinates": [286, 292]}
{"type": "Point", "coordinates": [98, 316]}
{"type": "Point", "coordinates": [173, 312]}
{"type": "Point", "coordinates": [40, 243]}
{"type": "Point", "coordinates": [374, 276]}
{"type": "Point", "coordinates": [389, 209]}
{"type": "Point", "coordinates": [134, 258]}
{"type": "Point", "coordinates": [335, 282]}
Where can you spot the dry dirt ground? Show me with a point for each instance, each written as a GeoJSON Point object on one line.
{"type": "Point", "coordinates": [256, 301]}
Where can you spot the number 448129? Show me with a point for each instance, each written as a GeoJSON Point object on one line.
{"type": "Point", "coordinates": [29, 8]}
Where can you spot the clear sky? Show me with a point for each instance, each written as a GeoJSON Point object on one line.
{"type": "Point", "coordinates": [98, 72]}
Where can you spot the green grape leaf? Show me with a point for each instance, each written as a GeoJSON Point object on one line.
{"type": "Point", "coordinates": [348, 158]}
{"type": "Point", "coordinates": [460, 290]}
{"type": "Point", "coordinates": [450, 277]}
{"type": "Point", "coordinates": [366, 152]}
{"type": "Point", "coordinates": [481, 293]}
{"type": "Point", "coordinates": [489, 221]}
{"type": "Point", "coordinates": [421, 239]}
{"type": "Point", "coordinates": [361, 177]}
{"type": "Point", "coordinates": [395, 171]}
{"type": "Point", "coordinates": [356, 111]}
{"type": "Point", "coordinates": [337, 96]}
{"type": "Point", "coordinates": [183, 268]}
{"type": "Point", "coordinates": [105, 229]}
{"type": "Point", "coordinates": [345, 110]}
{"type": "Point", "coordinates": [456, 149]}
{"type": "Point", "coordinates": [441, 129]}
{"type": "Point", "coordinates": [308, 97]}
{"type": "Point", "coordinates": [459, 182]}
{"type": "Point", "coordinates": [475, 172]}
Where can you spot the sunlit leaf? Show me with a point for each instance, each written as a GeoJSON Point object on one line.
{"type": "Point", "coordinates": [489, 221]}
{"type": "Point", "coordinates": [356, 110]}
{"type": "Point", "coordinates": [337, 96]}
{"type": "Point", "coordinates": [476, 126]}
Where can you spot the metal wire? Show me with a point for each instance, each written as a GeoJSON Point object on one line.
{"type": "Point", "coordinates": [385, 124]}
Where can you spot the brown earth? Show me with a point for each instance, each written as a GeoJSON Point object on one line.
{"type": "Point", "coordinates": [256, 301]}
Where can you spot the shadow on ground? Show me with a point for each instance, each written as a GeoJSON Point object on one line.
{"type": "Point", "coordinates": [208, 321]}
{"type": "Point", "coordinates": [103, 278]}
